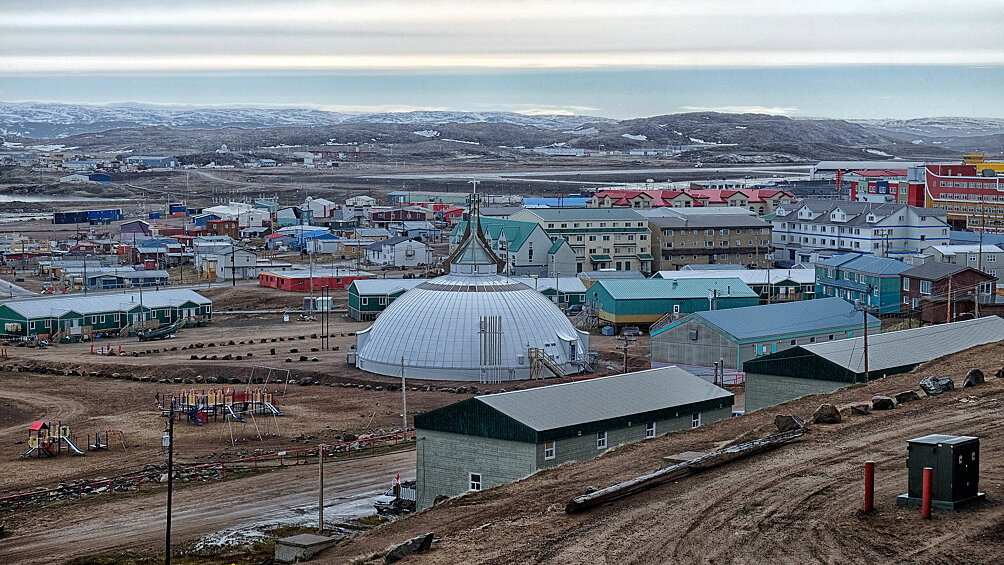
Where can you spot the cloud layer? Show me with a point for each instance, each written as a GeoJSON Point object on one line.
{"type": "Point", "coordinates": [395, 35]}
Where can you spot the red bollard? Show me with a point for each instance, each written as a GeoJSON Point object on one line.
{"type": "Point", "coordinates": [925, 501]}
{"type": "Point", "coordinates": [120, 349]}
{"type": "Point", "coordinates": [869, 486]}
{"type": "Point", "coordinates": [92, 349]}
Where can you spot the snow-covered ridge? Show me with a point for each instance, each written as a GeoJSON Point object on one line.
{"type": "Point", "coordinates": [48, 120]}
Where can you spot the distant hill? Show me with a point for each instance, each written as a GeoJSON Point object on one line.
{"type": "Point", "coordinates": [702, 136]}
{"type": "Point", "coordinates": [42, 120]}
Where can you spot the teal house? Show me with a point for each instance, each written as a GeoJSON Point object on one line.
{"type": "Point", "coordinates": [875, 281]}
{"type": "Point", "coordinates": [643, 302]}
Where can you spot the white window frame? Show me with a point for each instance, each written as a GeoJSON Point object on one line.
{"type": "Point", "coordinates": [549, 452]}
{"type": "Point", "coordinates": [906, 283]}
{"type": "Point", "coordinates": [601, 440]}
{"type": "Point", "coordinates": [650, 430]}
{"type": "Point", "coordinates": [926, 284]}
{"type": "Point", "coordinates": [695, 420]}
{"type": "Point", "coordinates": [472, 485]}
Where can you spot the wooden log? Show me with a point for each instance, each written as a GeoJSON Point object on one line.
{"type": "Point", "coordinates": [678, 471]}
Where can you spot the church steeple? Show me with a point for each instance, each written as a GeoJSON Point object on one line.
{"type": "Point", "coordinates": [473, 255]}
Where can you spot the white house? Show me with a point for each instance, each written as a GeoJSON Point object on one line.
{"type": "Point", "coordinates": [320, 207]}
{"type": "Point", "coordinates": [241, 262]}
{"type": "Point", "coordinates": [817, 227]}
{"type": "Point", "coordinates": [399, 252]}
{"type": "Point", "coordinates": [361, 200]}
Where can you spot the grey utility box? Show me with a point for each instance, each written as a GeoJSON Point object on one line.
{"type": "Point", "coordinates": [955, 464]}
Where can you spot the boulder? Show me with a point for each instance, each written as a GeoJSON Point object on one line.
{"type": "Point", "coordinates": [1000, 373]}
{"type": "Point", "coordinates": [826, 414]}
{"type": "Point", "coordinates": [880, 402]}
{"type": "Point", "coordinates": [973, 377]}
{"type": "Point", "coordinates": [907, 396]}
{"type": "Point", "coordinates": [860, 409]}
{"type": "Point", "coordinates": [417, 544]}
{"type": "Point", "coordinates": [933, 386]}
{"type": "Point", "coordinates": [788, 423]}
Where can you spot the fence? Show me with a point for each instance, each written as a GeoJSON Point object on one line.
{"type": "Point", "coordinates": [208, 471]}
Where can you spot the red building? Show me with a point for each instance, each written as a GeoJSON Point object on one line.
{"type": "Point", "coordinates": [223, 227]}
{"type": "Point", "coordinates": [973, 201]}
{"type": "Point", "coordinates": [382, 217]}
{"type": "Point", "coordinates": [301, 280]}
{"type": "Point", "coordinates": [930, 289]}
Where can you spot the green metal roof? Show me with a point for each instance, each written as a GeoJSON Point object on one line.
{"type": "Point", "coordinates": [595, 258]}
{"type": "Point", "coordinates": [516, 233]}
{"type": "Point", "coordinates": [641, 289]}
{"type": "Point", "coordinates": [645, 256]}
{"type": "Point", "coordinates": [564, 410]}
{"type": "Point", "coordinates": [556, 245]}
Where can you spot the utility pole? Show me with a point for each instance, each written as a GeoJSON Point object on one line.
{"type": "Point", "coordinates": [233, 263]}
{"type": "Point", "coordinates": [626, 341]}
{"type": "Point", "coordinates": [863, 307]}
{"type": "Point", "coordinates": [404, 397]}
{"type": "Point", "coordinates": [170, 482]}
{"type": "Point", "coordinates": [320, 488]}
{"type": "Point", "coordinates": [949, 304]}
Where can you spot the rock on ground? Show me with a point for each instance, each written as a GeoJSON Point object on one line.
{"type": "Point", "coordinates": [826, 414]}
{"type": "Point", "coordinates": [933, 386]}
{"type": "Point", "coordinates": [907, 396]}
{"type": "Point", "coordinates": [973, 377]}
{"type": "Point", "coordinates": [417, 544]}
{"type": "Point", "coordinates": [880, 402]}
{"type": "Point", "coordinates": [788, 423]}
{"type": "Point", "coordinates": [860, 409]}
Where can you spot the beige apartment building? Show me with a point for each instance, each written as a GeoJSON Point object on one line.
{"type": "Point", "coordinates": [689, 239]}
{"type": "Point", "coordinates": [602, 238]}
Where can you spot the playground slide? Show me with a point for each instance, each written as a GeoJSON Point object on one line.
{"type": "Point", "coordinates": [29, 452]}
{"type": "Point", "coordinates": [230, 410]}
{"type": "Point", "coordinates": [76, 450]}
{"type": "Point", "coordinates": [273, 409]}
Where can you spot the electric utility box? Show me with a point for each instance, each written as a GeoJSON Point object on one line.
{"type": "Point", "coordinates": [955, 464]}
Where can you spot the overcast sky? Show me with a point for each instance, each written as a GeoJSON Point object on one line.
{"type": "Point", "coordinates": [846, 58]}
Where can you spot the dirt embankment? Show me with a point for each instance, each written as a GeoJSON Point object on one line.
{"type": "Point", "coordinates": [798, 504]}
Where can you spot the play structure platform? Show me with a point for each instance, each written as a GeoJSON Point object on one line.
{"type": "Point", "coordinates": [46, 439]}
{"type": "Point", "coordinates": [237, 408]}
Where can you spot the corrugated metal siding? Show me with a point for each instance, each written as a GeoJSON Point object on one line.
{"type": "Point", "coordinates": [474, 418]}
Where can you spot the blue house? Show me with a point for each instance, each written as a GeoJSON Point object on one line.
{"type": "Point", "coordinates": [874, 281]}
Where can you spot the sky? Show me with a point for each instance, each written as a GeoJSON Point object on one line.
{"type": "Point", "coordinates": [620, 59]}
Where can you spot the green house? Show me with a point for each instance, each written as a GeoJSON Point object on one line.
{"type": "Point", "coordinates": [645, 301]}
{"type": "Point", "coordinates": [369, 297]}
{"type": "Point", "coordinates": [77, 315]}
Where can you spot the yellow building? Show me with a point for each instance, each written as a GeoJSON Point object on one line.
{"type": "Point", "coordinates": [981, 165]}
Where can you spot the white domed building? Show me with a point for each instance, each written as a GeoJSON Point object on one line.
{"type": "Point", "coordinates": [473, 324]}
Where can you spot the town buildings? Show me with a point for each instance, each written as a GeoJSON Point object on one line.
{"type": "Point", "coordinates": [971, 194]}
{"type": "Point", "coordinates": [643, 302]}
{"type": "Point", "coordinates": [981, 257]}
{"type": "Point", "coordinates": [943, 292]}
{"type": "Point", "coordinates": [824, 367]}
{"type": "Point", "coordinates": [494, 439]}
{"type": "Point", "coordinates": [525, 247]}
{"type": "Point", "coordinates": [602, 238]}
{"type": "Point", "coordinates": [733, 336]}
{"type": "Point", "coordinates": [822, 228]}
{"type": "Point", "coordinates": [683, 237]}
{"type": "Point", "coordinates": [303, 280]}
{"type": "Point", "coordinates": [874, 281]}
{"type": "Point", "coordinates": [772, 285]}
{"type": "Point", "coordinates": [399, 251]}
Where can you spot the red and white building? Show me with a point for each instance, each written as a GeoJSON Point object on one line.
{"type": "Point", "coordinates": [305, 279]}
{"type": "Point", "coordinates": [973, 201]}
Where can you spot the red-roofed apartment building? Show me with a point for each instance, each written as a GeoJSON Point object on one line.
{"type": "Point", "coordinates": [759, 200]}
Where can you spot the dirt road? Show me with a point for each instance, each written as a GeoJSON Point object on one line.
{"type": "Point", "coordinates": [287, 496]}
{"type": "Point", "coordinates": [798, 504]}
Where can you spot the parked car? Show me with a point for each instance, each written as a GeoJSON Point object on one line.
{"type": "Point", "coordinates": [573, 309]}
{"type": "Point", "coordinates": [631, 330]}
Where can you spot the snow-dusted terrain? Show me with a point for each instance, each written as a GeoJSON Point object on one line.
{"type": "Point", "coordinates": [47, 120]}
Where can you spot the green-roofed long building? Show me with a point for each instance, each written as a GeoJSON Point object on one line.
{"type": "Point", "coordinates": [72, 316]}
{"type": "Point", "coordinates": [642, 302]}
{"type": "Point", "coordinates": [524, 246]}
{"type": "Point", "coordinates": [491, 440]}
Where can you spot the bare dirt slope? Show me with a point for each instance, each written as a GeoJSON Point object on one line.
{"type": "Point", "coordinates": [798, 504]}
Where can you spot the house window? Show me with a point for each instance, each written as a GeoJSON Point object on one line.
{"type": "Point", "coordinates": [676, 308]}
{"type": "Point", "coordinates": [650, 430]}
{"type": "Point", "coordinates": [365, 301]}
{"type": "Point", "coordinates": [474, 480]}
{"type": "Point", "coordinates": [906, 284]}
{"type": "Point", "coordinates": [601, 440]}
{"type": "Point", "coordinates": [793, 342]}
{"type": "Point", "coordinates": [695, 420]}
{"type": "Point", "coordinates": [549, 450]}
{"type": "Point", "coordinates": [383, 301]}
{"type": "Point", "coordinates": [925, 287]}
